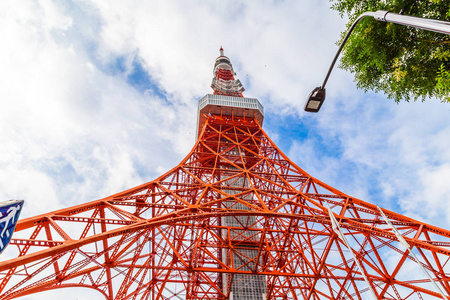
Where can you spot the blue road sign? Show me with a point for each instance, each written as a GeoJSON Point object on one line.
{"type": "Point", "coordinates": [9, 215]}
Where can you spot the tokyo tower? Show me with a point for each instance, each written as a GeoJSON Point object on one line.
{"type": "Point", "coordinates": [235, 219]}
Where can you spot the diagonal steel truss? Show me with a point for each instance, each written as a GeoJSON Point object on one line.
{"type": "Point", "coordinates": [172, 238]}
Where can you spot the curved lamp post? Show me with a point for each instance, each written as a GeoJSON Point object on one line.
{"type": "Point", "coordinates": [317, 96]}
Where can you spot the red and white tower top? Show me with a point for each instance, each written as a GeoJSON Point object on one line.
{"type": "Point", "coordinates": [227, 99]}
{"type": "Point", "coordinates": [223, 82]}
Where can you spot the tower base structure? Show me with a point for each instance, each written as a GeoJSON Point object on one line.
{"type": "Point", "coordinates": [236, 207]}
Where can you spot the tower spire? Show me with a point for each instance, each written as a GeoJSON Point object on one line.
{"type": "Point", "coordinates": [223, 82]}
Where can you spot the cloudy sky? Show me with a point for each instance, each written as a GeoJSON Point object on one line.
{"type": "Point", "coordinates": [100, 96]}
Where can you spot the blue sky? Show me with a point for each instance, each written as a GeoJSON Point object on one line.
{"type": "Point", "coordinates": [100, 96]}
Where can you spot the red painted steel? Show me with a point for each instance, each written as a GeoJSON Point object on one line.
{"type": "Point", "coordinates": [164, 238]}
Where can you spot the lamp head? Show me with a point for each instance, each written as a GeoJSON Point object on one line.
{"type": "Point", "coordinates": [315, 100]}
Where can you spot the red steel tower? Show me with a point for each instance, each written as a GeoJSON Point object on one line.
{"type": "Point", "coordinates": [235, 219]}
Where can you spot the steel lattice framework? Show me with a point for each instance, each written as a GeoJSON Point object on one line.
{"type": "Point", "coordinates": [145, 242]}
{"type": "Point", "coordinates": [176, 237]}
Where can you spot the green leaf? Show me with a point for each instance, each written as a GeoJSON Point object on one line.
{"type": "Point", "coordinates": [403, 62]}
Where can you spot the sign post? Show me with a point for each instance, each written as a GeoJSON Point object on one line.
{"type": "Point", "coordinates": [9, 215]}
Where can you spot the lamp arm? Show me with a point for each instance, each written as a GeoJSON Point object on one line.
{"type": "Point", "coordinates": [386, 16]}
{"type": "Point", "coordinates": [363, 15]}
{"type": "Point", "coordinates": [317, 96]}
{"type": "Point", "coordinates": [422, 23]}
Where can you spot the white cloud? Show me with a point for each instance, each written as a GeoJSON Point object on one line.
{"type": "Point", "coordinates": [395, 155]}
{"type": "Point", "coordinates": [72, 132]}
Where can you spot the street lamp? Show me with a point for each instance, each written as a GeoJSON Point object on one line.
{"type": "Point", "coordinates": [317, 96]}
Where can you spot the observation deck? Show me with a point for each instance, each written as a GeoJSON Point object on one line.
{"type": "Point", "coordinates": [228, 106]}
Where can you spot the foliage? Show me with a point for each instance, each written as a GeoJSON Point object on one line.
{"type": "Point", "coordinates": [404, 62]}
{"type": "Point", "coordinates": [443, 83]}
